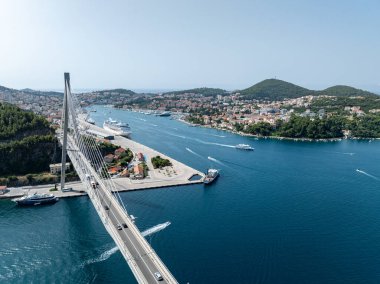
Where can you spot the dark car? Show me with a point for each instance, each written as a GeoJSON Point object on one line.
{"type": "Point", "coordinates": [125, 225]}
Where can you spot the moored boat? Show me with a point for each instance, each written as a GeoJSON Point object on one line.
{"type": "Point", "coordinates": [165, 113]}
{"type": "Point", "coordinates": [90, 120]}
{"type": "Point", "coordinates": [211, 175]}
{"type": "Point", "coordinates": [117, 127]}
{"type": "Point", "coordinates": [36, 199]}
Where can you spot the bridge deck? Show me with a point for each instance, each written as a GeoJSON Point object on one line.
{"type": "Point", "coordinates": [140, 256]}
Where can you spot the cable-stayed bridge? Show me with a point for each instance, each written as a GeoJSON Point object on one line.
{"type": "Point", "coordinates": [88, 162]}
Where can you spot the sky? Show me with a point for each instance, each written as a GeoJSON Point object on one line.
{"type": "Point", "coordinates": [178, 44]}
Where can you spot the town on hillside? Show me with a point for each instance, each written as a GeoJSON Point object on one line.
{"type": "Point", "coordinates": [265, 109]}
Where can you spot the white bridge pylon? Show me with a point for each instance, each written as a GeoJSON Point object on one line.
{"type": "Point", "coordinates": [88, 162]}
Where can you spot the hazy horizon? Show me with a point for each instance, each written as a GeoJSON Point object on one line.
{"type": "Point", "coordinates": [180, 45]}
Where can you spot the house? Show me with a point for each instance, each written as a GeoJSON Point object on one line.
{"type": "Point", "coordinates": [114, 170]}
{"type": "Point", "coordinates": [140, 157]}
{"type": "Point", "coordinates": [3, 189]}
{"type": "Point", "coordinates": [138, 171]}
{"type": "Point", "coordinates": [56, 168]}
{"type": "Point", "coordinates": [119, 151]}
{"type": "Point", "coordinates": [109, 158]}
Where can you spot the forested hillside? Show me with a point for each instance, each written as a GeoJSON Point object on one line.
{"type": "Point", "coordinates": [27, 143]}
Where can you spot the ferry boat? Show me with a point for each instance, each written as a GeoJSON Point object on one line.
{"type": "Point", "coordinates": [117, 127]}
{"type": "Point", "coordinates": [211, 175]}
{"type": "Point", "coordinates": [36, 199]}
{"type": "Point", "coordinates": [244, 147]}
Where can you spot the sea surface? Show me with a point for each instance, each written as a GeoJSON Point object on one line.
{"type": "Point", "coordinates": [288, 212]}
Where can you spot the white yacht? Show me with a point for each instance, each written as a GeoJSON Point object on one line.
{"type": "Point", "coordinates": [117, 127]}
{"type": "Point", "coordinates": [244, 147]}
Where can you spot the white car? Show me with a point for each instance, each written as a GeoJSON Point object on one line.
{"type": "Point", "coordinates": [158, 276]}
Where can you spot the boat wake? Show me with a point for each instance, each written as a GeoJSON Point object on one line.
{"type": "Point", "coordinates": [213, 143]}
{"type": "Point", "coordinates": [107, 254]}
{"type": "Point", "coordinates": [367, 174]}
{"type": "Point", "coordinates": [176, 135]}
{"type": "Point", "coordinates": [216, 161]}
{"type": "Point", "coordinates": [192, 152]}
{"type": "Point", "coordinates": [221, 136]}
{"type": "Point", "coordinates": [155, 229]}
{"type": "Point", "coordinates": [201, 141]}
{"type": "Point", "coordinates": [104, 256]}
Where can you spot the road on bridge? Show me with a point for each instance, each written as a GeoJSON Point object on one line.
{"type": "Point", "coordinates": [142, 259]}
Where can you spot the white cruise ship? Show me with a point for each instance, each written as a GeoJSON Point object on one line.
{"type": "Point", "coordinates": [117, 127]}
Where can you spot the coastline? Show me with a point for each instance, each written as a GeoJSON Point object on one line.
{"type": "Point", "coordinates": [278, 137]}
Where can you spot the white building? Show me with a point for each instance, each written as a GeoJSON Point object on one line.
{"type": "Point", "coordinates": [56, 168]}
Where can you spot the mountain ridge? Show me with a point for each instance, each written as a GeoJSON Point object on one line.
{"type": "Point", "coordinates": [268, 89]}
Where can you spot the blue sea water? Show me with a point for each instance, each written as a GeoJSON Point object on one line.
{"type": "Point", "coordinates": [289, 212]}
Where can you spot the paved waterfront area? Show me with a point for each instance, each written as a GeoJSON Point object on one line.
{"type": "Point", "coordinates": [176, 175]}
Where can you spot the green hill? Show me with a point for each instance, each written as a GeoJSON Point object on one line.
{"type": "Point", "coordinates": [273, 89]}
{"type": "Point", "coordinates": [27, 143]}
{"type": "Point", "coordinates": [200, 91]}
{"type": "Point", "coordinates": [341, 90]}
{"type": "Point", "coordinates": [119, 91]}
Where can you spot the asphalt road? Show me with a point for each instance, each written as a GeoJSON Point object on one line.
{"type": "Point", "coordinates": [144, 262]}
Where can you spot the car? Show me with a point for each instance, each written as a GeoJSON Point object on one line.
{"type": "Point", "coordinates": [66, 189]}
{"type": "Point", "coordinates": [106, 207]}
{"type": "Point", "coordinates": [125, 225]}
{"type": "Point", "coordinates": [158, 276]}
{"type": "Point", "coordinates": [119, 227]}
